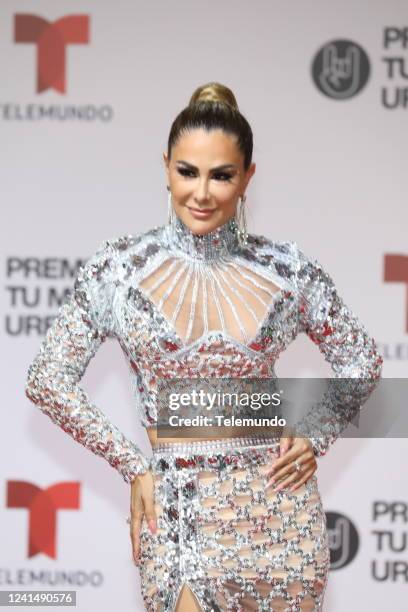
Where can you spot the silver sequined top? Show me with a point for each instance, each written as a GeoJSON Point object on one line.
{"type": "Point", "coordinates": [186, 305]}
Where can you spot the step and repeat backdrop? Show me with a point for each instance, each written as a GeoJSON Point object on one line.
{"type": "Point", "coordinates": [88, 93]}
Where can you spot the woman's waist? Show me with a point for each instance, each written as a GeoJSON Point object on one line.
{"type": "Point", "coordinates": [211, 436]}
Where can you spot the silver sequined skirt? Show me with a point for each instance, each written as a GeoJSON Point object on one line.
{"type": "Point", "coordinates": [236, 545]}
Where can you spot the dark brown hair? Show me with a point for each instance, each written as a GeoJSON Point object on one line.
{"type": "Point", "coordinates": [214, 106]}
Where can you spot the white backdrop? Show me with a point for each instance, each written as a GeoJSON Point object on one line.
{"type": "Point", "coordinates": [331, 174]}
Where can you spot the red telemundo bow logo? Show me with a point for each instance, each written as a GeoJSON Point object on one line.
{"type": "Point", "coordinates": [42, 505]}
{"type": "Point", "coordinates": [51, 39]}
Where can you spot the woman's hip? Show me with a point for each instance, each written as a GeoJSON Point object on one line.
{"type": "Point", "coordinates": [218, 523]}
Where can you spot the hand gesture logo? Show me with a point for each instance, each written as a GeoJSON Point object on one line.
{"type": "Point", "coordinates": [340, 69]}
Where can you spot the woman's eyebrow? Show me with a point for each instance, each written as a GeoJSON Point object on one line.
{"type": "Point", "coordinates": [222, 167]}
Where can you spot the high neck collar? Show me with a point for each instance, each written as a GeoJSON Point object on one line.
{"type": "Point", "coordinates": [222, 241]}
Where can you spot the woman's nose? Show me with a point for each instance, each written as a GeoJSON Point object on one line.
{"type": "Point", "coordinates": [202, 194]}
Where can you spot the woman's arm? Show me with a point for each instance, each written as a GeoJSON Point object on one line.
{"type": "Point", "coordinates": [345, 344]}
{"type": "Point", "coordinates": [82, 324]}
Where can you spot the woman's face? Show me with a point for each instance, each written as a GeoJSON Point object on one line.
{"type": "Point", "coordinates": [206, 176]}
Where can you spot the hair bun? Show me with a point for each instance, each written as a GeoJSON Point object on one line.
{"type": "Point", "coordinates": [214, 92]}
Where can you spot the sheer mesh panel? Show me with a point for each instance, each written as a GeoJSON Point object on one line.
{"type": "Point", "coordinates": [196, 298]}
{"type": "Point", "coordinates": [246, 540]}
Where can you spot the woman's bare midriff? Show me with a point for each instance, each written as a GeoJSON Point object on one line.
{"type": "Point", "coordinates": [211, 433]}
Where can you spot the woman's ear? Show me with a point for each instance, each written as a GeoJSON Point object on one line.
{"type": "Point", "coordinates": [249, 173]}
{"type": "Point", "coordinates": [166, 164]}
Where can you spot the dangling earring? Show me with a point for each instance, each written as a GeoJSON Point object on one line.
{"type": "Point", "coordinates": [170, 207]}
{"type": "Point", "coordinates": [242, 222]}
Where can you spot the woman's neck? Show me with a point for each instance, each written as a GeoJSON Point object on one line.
{"type": "Point", "coordinates": [222, 241]}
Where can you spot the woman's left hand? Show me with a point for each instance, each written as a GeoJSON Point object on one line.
{"type": "Point", "coordinates": [284, 469]}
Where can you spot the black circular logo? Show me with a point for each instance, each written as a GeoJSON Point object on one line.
{"type": "Point", "coordinates": [343, 539]}
{"type": "Point", "coordinates": [340, 69]}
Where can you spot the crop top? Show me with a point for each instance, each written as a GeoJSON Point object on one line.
{"type": "Point", "coordinates": [188, 305]}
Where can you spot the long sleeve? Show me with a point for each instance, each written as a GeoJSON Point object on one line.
{"type": "Point", "coordinates": [345, 344]}
{"type": "Point", "coordinates": [82, 324]}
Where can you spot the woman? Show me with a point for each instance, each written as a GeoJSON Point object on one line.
{"type": "Point", "coordinates": [219, 520]}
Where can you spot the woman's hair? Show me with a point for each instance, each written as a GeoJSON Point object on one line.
{"type": "Point", "coordinates": [213, 106]}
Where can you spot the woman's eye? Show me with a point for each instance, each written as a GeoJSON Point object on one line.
{"type": "Point", "coordinates": [186, 172]}
{"type": "Point", "coordinates": [222, 176]}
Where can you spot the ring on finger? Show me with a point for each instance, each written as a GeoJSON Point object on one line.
{"type": "Point", "coordinates": [297, 466]}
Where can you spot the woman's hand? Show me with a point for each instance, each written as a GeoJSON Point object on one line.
{"type": "Point", "coordinates": [284, 470]}
{"type": "Point", "coordinates": [141, 503]}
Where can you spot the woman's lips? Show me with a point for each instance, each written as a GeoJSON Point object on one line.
{"type": "Point", "coordinates": [201, 213]}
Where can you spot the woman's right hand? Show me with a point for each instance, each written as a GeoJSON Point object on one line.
{"type": "Point", "coordinates": [141, 503]}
